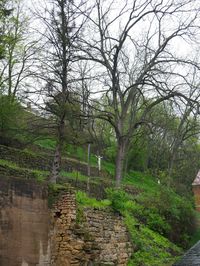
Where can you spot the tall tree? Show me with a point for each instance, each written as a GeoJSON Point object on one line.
{"type": "Point", "coordinates": [132, 48]}
{"type": "Point", "coordinates": [4, 13]}
{"type": "Point", "coordinates": [19, 51]}
{"type": "Point", "coordinates": [57, 65]}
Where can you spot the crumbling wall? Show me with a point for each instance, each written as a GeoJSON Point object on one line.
{"type": "Point", "coordinates": [87, 237]}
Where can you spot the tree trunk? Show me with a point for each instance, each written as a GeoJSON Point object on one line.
{"type": "Point", "coordinates": [172, 160]}
{"type": "Point", "coordinates": [88, 160]}
{"type": "Point", "coordinates": [57, 156]}
{"type": "Point", "coordinates": [125, 168]}
{"type": "Point", "coordinates": [88, 168]}
{"type": "Point", "coordinates": [121, 151]}
{"type": "Point", "coordinates": [56, 165]}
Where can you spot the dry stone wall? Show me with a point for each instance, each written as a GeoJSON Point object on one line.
{"type": "Point", "coordinates": [89, 237]}
{"type": "Point", "coordinates": [43, 162]}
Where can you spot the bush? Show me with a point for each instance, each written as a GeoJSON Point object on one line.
{"type": "Point", "coordinates": [10, 111]}
{"type": "Point", "coordinates": [162, 212]}
{"type": "Point", "coordinates": [168, 214]}
{"type": "Point", "coordinates": [151, 249]}
{"type": "Point", "coordinates": [119, 199]}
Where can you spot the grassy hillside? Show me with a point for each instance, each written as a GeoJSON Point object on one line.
{"type": "Point", "coordinates": [160, 222]}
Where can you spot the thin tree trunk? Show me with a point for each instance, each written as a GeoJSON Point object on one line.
{"type": "Point", "coordinates": [88, 160]}
{"type": "Point", "coordinates": [172, 160]}
{"type": "Point", "coordinates": [88, 168]}
{"type": "Point", "coordinates": [57, 156]}
{"type": "Point", "coordinates": [120, 161]}
{"type": "Point", "coordinates": [56, 165]}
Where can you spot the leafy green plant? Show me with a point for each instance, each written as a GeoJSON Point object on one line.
{"type": "Point", "coordinates": [119, 199]}
{"type": "Point", "coordinates": [152, 249]}
{"type": "Point", "coordinates": [10, 112]}
{"type": "Point", "coordinates": [83, 200]}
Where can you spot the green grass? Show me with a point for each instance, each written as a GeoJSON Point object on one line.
{"type": "Point", "coordinates": [76, 175]}
{"type": "Point", "coordinates": [9, 164]}
{"type": "Point", "coordinates": [143, 214]}
{"type": "Point", "coordinates": [141, 181]}
{"type": "Point", "coordinates": [108, 167]}
{"type": "Point", "coordinates": [46, 143]}
{"type": "Point", "coordinates": [152, 249]}
{"type": "Point", "coordinates": [85, 201]}
{"type": "Point", "coordinates": [39, 175]}
{"type": "Point", "coordinates": [196, 236]}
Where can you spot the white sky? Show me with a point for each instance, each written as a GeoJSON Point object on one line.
{"type": "Point", "coordinates": [179, 46]}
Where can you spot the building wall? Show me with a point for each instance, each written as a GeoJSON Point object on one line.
{"type": "Point", "coordinates": [196, 191]}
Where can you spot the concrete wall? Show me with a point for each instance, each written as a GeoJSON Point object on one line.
{"type": "Point", "coordinates": [24, 223]}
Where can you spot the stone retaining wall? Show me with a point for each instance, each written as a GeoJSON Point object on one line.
{"type": "Point", "coordinates": [90, 237]}
{"type": "Point", "coordinates": [43, 162]}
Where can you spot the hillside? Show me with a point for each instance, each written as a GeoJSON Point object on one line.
{"type": "Point", "coordinates": [152, 212]}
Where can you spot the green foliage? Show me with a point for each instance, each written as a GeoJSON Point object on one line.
{"type": "Point", "coordinates": [9, 164]}
{"type": "Point", "coordinates": [143, 181]}
{"type": "Point", "coordinates": [76, 175]}
{"type": "Point", "coordinates": [164, 210]}
{"type": "Point", "coordinates": [46, 143]}
{"type": "Point", "coordinates": [83, 200]}
{"type": "Point", "coordinates": [196, 234]}
{"type": "Point", "coordinates": [120, 199]}
{"type": "Point", "coordinates": [4, 13]}
{"type": "Point", "coordinates": [110, 152]}
{"type": "Point", "coordinates": [10, 112]}
{"type": "Point", "coordinates": [39, 175]}
{"type": "Point", "coordinates": [75, 151]}
{"type": "Point", "coordinates": [137, 156]}
{"type": "Point", "coordinates": [152, 249]}
{"type": "Point", "coordinates": [108, 167]}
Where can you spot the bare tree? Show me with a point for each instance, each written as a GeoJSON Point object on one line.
{"type": "Point", "coordinates": [188, 127]}
{"type": "Point", "coordinates": [131, 46]}
{"type": "Point", "coordinates": [56, 68]}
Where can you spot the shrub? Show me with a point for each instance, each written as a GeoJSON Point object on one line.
{"type": "Point", "coordinates": [168, 214]}
{"type": "Point", "coordinates": [10, 111]}
{"type": "Point", "coordinates": [119, 199]}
